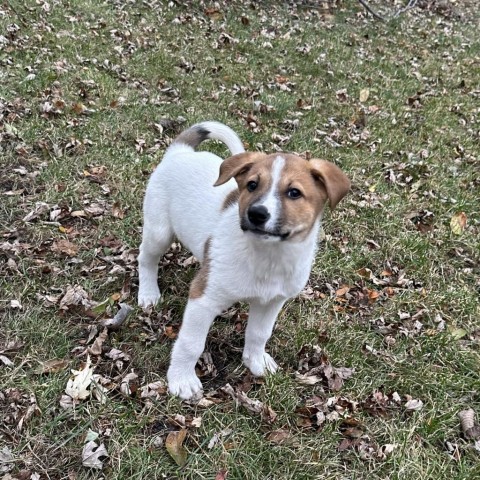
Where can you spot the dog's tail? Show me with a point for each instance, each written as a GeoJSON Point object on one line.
{"type": "Point", "coordinates": [199, 132]}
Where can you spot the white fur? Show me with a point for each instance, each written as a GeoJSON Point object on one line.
{"type": "Point", "coordinates": [181, 201]}
{"type": "Point", "coordinates": [271, 200]}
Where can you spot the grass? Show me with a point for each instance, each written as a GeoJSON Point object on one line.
{"type": "Point", "coordinates": [410, 148]}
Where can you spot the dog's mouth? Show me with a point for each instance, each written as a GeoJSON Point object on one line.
{"type": "Point", "coordinates": [265, 233]}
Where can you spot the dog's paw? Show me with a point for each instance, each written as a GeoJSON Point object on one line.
{"type": "Point", "coordinates": [148, 297]}
{"type": "Point", "coordinates": [260, 364]}
{"type": "Point", "coordinates": [186, 385]}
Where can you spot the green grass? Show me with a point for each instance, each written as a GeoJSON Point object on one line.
{"type": "Point", "coordinates": [417, 151]}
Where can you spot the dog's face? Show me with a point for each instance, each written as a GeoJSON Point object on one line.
{"type": "Point", "coordinates": [281, 196]}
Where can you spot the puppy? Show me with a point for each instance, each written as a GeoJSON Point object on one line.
{"type": "Point", "coordinates": [252, 220]}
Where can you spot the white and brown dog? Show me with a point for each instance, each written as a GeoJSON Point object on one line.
{"type": "Point", "coordinates": [252, 220]}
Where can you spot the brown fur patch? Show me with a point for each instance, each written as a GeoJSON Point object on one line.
{"type": "Point", "coordinates": [317, 180]}
{"type": "Point", "coordinates": [199, 284]}
{"type": "Point", "coordinates": [231, 199]}
{"type": "Point", "coordinates": [193, 137]}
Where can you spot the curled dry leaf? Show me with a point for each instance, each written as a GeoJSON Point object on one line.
{"type": "Point", "coordinates": [129, 384]}
{"type": "Point", "coordinates": [279, 437]}
{"type": "Point", "coordinates": [96, 347]}
{"type": "Point", "coordinates": [458, 223]}
{"type": "Point", "coordinates": [414, 404]}
{"type": "Point", "coordinates": [217, 437]}
{"type": "Point", "coordinates": [78, 386]}
{"type": "Point", "coordinates": [65, 247]}
{"type": "Point", "coordinates": [51, 366]}
{"type": "Point", "coordinates": [6, 361]}
{"type": "Point", "coordinates": [40, 209]}
{"type": "Point", "coordinates": [75, 295]}
{"type": "Point", "coordinates": [6, 460]}
{"type": "Point", "coordinates": [174, 446]}
{"type": "Point", "coordinates": [153, 390]}
{"type": "Point", "coordinates": [314, 366]}
{"type": "Point", "coordinates": [252, 405]}
{"type": "Point", "coordinates": [93, 455]}
{"type": "Point", "coordinates": [467, 421]}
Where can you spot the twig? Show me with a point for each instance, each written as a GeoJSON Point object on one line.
{"type": "Point", "coordinates": [369, 9]}
{"type": "Point", "coordinates": [411, 4]}
{"type": "Point", "coordinates": [20, 17]}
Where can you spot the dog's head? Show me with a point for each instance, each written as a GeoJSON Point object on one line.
{"type": "Point", "coordinates": [281, 196]}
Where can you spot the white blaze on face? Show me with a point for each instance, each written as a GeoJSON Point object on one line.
{"type": "Point", "coordinates": [271, 201]}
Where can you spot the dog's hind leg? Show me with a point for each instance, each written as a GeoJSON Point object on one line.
{"type": "Point", "coordinates": [155, 242]}
{"type": "Point", "coordinates": [261, 320]}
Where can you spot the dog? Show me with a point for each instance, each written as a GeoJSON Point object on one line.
{"type": "Point", "coordinates": [252, 220]}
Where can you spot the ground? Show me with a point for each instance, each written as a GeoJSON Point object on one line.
{"type": "Point", "coordinates": [380, 352]}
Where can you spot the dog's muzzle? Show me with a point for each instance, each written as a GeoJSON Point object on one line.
{"type": "Point", "coordinates": [256, 218]}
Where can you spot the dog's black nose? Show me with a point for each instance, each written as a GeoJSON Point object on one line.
{"type": "Point", "coordinates": [258, 215]}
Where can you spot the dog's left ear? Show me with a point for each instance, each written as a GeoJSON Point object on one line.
{"type": "Point", "coordinates": [236, 165]}
{"type": "Point", "coordinates": [336, 183]}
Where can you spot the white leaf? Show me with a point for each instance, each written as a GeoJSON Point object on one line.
{"type": "Point", "coordinates": [92, 454]}
{"type": "Point", "coordinates": [77, 387]}
{"type": "Point", "coordinates": [414, 404]}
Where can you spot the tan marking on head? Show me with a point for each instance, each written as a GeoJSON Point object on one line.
{"type": "Point", "coordinates": [199, 283]}
{"type": "Point", "coordinates": [231, 199]}
{"type": "Point", "coordinates": [317, 181]}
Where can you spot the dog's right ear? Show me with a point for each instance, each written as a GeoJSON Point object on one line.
{"type": "Point", "coordinates": [236, 165]}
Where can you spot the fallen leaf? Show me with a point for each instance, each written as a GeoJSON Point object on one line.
{"type": "Point", "coordinates": [222, 474]}
{"type": "Point", "coordinates": [75, 295]}
{"type": "Point", "coordinates": [279, 437]}
{"type": "Point", "coordinates": [51, 366]}
{"type": "Point", "coordinates": [153, 390]}
{"type": "Point", "coordinates": [457, 333]}
{"type": "Point", "coordinates": [129, 384]}
{"type": "Point", "coordinates": [458, 223]}
{"type": "Point", "coordinates": [467, 421]}
{"type": "Point", "coordinates": [65, 247]}
{"type": "Point", "coordinates": [174, 446]}
{"type": "Point", "coordinates": [364, 94]}
{"type": "Point", "coordinates": [96, 348]}
{"type": "Point", "coordinates": [6, 361]}
{"type": "Point", "coordinates": [93, 455]}
{"type": "Point", "coordinates": [77, 387]}
{"type": "Point", "coordinates": [6, 460]}
{"type": "Point", "coordinates": [252, 405]}
{"type": "Point", "coordinates": [414, 404]}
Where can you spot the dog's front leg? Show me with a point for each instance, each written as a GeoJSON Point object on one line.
{"type": "Point", "coordinates": [197, 319]}
{"type": "Point", "coordinates": [261, 320]}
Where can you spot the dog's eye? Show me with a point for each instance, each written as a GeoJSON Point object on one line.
{"type": "Point", "coordinates": [294, 193]}
{"type": "Point", "coordinates": [251, 186]}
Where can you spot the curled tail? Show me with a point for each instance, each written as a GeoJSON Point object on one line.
{"type": "Point", "coordinates": [199, 132]}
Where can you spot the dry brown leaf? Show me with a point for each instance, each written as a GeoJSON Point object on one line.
{"type": "Point", "coordinates": [129, 384]}
{"type": "Point", "coordinates": [364, 94]}
{"type": "Point", "coordinates": [252, 405]}
{"type": "Point", "coordinates": [75, 295]}
{"type": "Point", "coordinates": [458, 223]}
{"type": "Point", "coordinates": [174, 446]}
{"type": "Point", "coordinates": [96, 347]}
{"type": "Point", "coordinates": [117, 211]}
{"type": "Point", "coordinates": [51, 366]}
{"type": "Point", "coordinates": [65, 247]}
{"type": "Point", "coordinates": [467, 421]}
{"type": "Point", "coordinates": [279, 437]}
